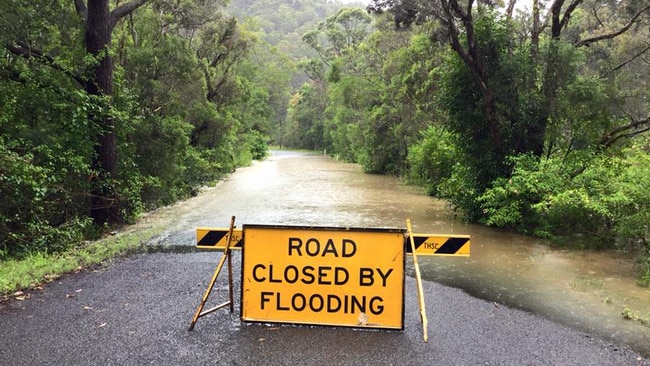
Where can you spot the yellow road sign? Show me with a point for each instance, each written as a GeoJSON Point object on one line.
{"type": "Point", "coordinates": [441, 245]}
{"type": "Point", "coordinates": [215, 238]}
{"type": "Point", "coordinates": [325, 276]}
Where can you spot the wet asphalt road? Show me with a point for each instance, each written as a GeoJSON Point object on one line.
{"type": "Point", "coordinates": [136, 311]}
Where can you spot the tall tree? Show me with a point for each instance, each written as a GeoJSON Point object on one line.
{"type": "Point", "coordinates": [503, 98]}
{"type": "Point", "coordinates": [460, 21]}
{"type": "Point", "coordinates": [99, 24]}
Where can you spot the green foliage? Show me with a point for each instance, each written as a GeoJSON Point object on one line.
{"type": "Point", "coordinates": [584, 106]}
{"type": "Point", "coordinates": [27, 213]}
{"type": "Point", "coordinates": [629, 314]}
{"type": "Point", "coordinates": [606, 203]}
{"type": "Point", "coordinates": [44, 157]}
{"type": "Point", "coordinates": [166, 139]}
{"type": "Point", "coordinates": [489, 118]}
{"type": "Point", "coordinates": [432, 160]}
{"type": "Point", "coordinates": [380, 100]}
{"type": "Point", "coordinates": [644, 270]}
{"type": "Point", "coordinates": [188, 90]}
{"type": "Point", "coordinates": [282, 22]}
{"type": "Point", "coordinates": [382, 143]}
{"type": "Point", "coordinates": [401, 108]}
{"type": "Point", "coordinates": [631, 203]}
{"type": "Point", "coordinates": [345, 30]}
{"type": "Point", "coordinates": [509, 203]}
{"type": "Point", "coordinates": [459, 190]}
{"type": "Point", "coordinates": [259, 145]}
{"type": "Point", "coordinates": [304, 126]}
{"type": "Point", "coordinates": [344, 118]}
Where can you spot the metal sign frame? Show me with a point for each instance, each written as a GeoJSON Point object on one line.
{"type": "Point", "coordinates": [226, 256]}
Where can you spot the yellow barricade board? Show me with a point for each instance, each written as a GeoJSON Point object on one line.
{"type": "Point", "coordinates": [215, 238]}
{"type": "Point", "coordinates": [425, 244]}
{"type": "Point", "coordinates": [441, 245]}
{"type": "Point", "coordinates": [324, 276]}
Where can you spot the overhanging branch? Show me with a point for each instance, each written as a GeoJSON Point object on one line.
{"type": "Point", "coordinates": [124, 10]}
{"type": "Point", "coordinates": [637, 55]}
{"type": "Point", "coordinates": [25, 51]}
{"type": "Point", "coordinates": [631, 129]}
{"type": "Point", "coordinates": [588, 41]}
{"type": "Point", "coordinates": [81, 8]}
{"type": "Point", "coordinates": [567, 13]}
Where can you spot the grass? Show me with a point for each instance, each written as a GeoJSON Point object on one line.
{"type": "Point", "coordinates": [38, 268]}
{"type": "Point", "coordinates": [584, 283]}
{"type": "Point", "coordinates": [644, 279]}
{"type": "Point", "coordinates": [628, 314]}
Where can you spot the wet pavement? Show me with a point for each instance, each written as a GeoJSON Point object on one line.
{"type": "Point", "coordinates": [137, 312]}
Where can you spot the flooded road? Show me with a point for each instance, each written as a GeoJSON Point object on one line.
{"type": "Point", "coordinates": [583, 289]}
{"type": "Point", "coordinates": [136, 310]}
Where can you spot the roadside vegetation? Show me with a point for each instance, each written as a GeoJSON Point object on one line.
{"type": "Point", "coordinates": [33, 270]}
{"type": "Point", "coordinates": [109, 109]}
{"type": "Point", "coordinates": [536, 120]}
{"type": "Point", "coordinates": [173, 98]}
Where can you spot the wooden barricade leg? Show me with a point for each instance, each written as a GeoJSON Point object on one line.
{"type": "Point", "coordinates": [418, 280]}
{"type": "Point", "coordinates": [226, 255]}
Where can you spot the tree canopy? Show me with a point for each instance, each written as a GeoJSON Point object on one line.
{"type": "Point", "coordinates": [111, 108]}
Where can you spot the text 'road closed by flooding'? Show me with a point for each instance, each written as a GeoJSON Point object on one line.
{"type": "Point", "coordinates": [327, 276]}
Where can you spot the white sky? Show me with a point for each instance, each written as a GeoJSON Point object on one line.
{"type": "Point", "coordinates": [521, 4]}
{"type": "Point", "coordinates": [363, 2]}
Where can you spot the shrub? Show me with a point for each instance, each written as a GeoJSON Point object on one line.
{"type": "Point", "coordinates": [602, 199]}
{"type": "Point", "coordinates": [432, 160]}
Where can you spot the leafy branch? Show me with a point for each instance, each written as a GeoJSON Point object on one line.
{"type": "Point", "coordinates": [26, 51]}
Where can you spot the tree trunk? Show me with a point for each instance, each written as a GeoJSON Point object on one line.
{"type": "Point", "coordinates": [104, 200]}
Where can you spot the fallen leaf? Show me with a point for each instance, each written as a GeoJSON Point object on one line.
{"type": "Point", "coordinates": [20, 295]}
{"type": "Point", "coordinates": [51, 277]}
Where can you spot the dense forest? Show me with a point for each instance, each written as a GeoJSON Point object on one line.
{"type": "Point", "coordinates": [532, 117]}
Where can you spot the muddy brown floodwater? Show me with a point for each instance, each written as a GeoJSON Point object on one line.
{"type": "Point", "coordinates": [585, 289]}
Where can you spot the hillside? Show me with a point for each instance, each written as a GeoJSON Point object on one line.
{"type": "Point", "coordinates": [283, 22]}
